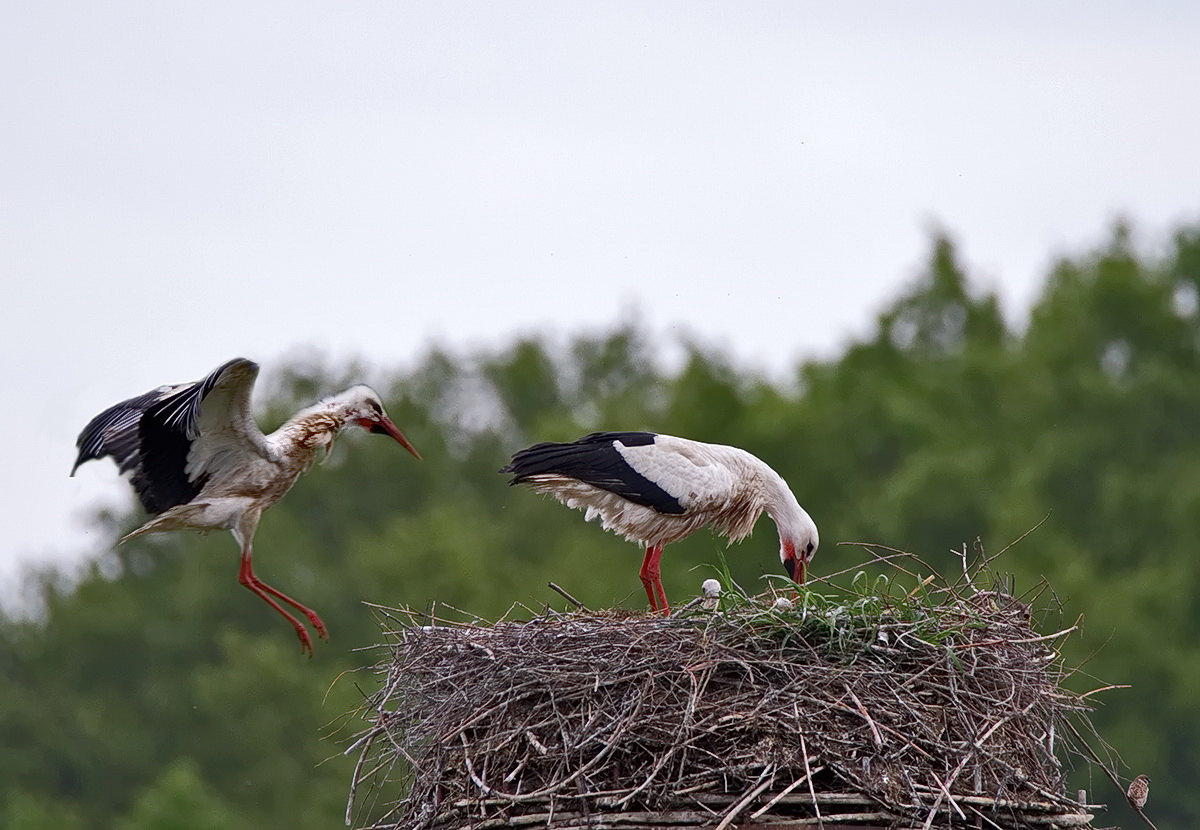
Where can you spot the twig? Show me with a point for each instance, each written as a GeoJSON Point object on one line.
{"type": "Point", "coordinates": [945, 785]}
{"type": "Point", "coordinates": [1019, 539]}
{"type": "Point", "coordinates": [808, 775]}
{"type": "Point", "coordinates": [1142, 815]}
{"type": "Point", "coordinates": [979, 813]}
{"type": "Point", "coordinates": [354, 779]}
{"type": "Point", "coordinates": [1112, 776]}
{"type": "Point", "coordinates": [767, 779]}
{"type": "Point", "coordinates": [1107, 688]}
{"type": "Point", "coordinates": [863, 711]}
{"type": "Point", "coordinates": [567, 596]}
{"type": "Point", "coordinates": [784, 793]}
{"type": "Point", "coordinates": [1023, 642]}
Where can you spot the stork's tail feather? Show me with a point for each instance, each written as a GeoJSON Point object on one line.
{"type": "Point", "coordinates": [177, 518]}
{"type": "Point", "coordinates": [571, 460]}
{"type": "Point", "coordinates": [542, 458]}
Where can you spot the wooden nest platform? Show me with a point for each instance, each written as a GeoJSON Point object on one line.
{"type": "Point", "coordinates": [939, 707]}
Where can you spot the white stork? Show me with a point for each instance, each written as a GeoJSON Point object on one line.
{"type": "Point", "coordinates": [198, 461]}
{"type": "Point", "coordinates": [657, 489]}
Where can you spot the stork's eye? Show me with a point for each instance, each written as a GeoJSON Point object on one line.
{"type": "Point", "coordinates": [809, 549]}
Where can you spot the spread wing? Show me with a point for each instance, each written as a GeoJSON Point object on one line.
{"type": "Point", "coordinates": [173, 438]}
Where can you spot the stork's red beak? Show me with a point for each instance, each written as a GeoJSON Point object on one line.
{"type": "Point", "coordinates": [795, 569]}
{"type": "Point", "coordinates": [384, 426]}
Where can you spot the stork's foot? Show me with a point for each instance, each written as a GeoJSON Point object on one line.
{"type": "Point", "coordinates": [319, 626]}
{"type": "Point", "coordinates": [306, 646]}
{"type": "Point", "coordinates": [313, 619]}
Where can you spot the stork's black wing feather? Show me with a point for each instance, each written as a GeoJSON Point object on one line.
{"type": "Point", "coordinates": [150, 436]}
{"type": "Point", "coordinates": [595, 460]}
{"type": "Point", "coordinates": [114, 431]}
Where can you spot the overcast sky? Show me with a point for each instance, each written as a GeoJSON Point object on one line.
{"type": "Point", "coordinates": [181, 183]}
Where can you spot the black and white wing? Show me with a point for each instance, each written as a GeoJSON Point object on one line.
{"type": "Point", "coordinates": [599, 460]}
{"type": "Point", "coordinates": [173, 438]}
{"type": "Point", "coordinates": [701, 476]}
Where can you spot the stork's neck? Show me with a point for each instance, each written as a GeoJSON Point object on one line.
{"type": "Point", "coordinates": [792, 521]}
{"type": "Point", "coordinates": [311, 428]}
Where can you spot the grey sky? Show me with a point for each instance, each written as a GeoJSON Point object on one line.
{"type": "Point", "coordinates": [181, 183]}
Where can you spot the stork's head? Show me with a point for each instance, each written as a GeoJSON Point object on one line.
{"type": "Point", "coordinates": [360, 406]}
{"type": "Point", "coordinates": [796, 553]}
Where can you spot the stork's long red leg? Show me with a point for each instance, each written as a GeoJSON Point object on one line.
{"type": "Point", "coordinates": [646, 577]}
{"type": "Point", "coordinates": [662, 595]}
{"type": "Point", "coordinates": [658, 586]}
{"type": "Point", "coordinates": [246, 577]}
{"type": "Point", "coordinates": [652, 579]}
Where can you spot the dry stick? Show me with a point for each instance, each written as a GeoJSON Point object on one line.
{"type": "Point", "coordinates": [1026, 641]}
{"type": "Point", "coordinates": [553, 789]}
{"type": "Point", "coordinates": [863, 711]}
{"type": "Point", "coordinates": [851, 799]}
{"type": "Point", "coordinates": [1011, 804]}
{"type": "Point", "coordinates": [950, 799]}
{"type": "Point", "coordinates": [1110, 687]}
{"type": "Point", "coordinates": [834, 704]}
{"type": "Point", "coordinates": [893, 553]}
{"type": "Point", "coordinates": [1138, 810]}
{"type": "Point", "coordinates": [783, 793]}
{"type": "Point", "coordinates": [977, 745]}
{"type": "Point", "coordinates": [677, 818]}
{"type": "Point", "coordinates": [1018, 539]}
{"type": "Point", "coordinates": [834, 818]}
{"type": "Point", "coordinates": [808, 775]}
{"type": "Point", "coordinates": [363, 738]}
{"type": "Point", "coordinates": [1111, 775]}
{"type": "Point", "coordinates": [662, 762]}
{"type": "Point", "coordinates": [924, 583]}
{"type": "Point", "coordinates": [878, 559]}
{"type": "Point", "coordinates": [1044, 793]}
{"type": "Point", "coordinates": [567, 596]}
{"type": "Point", "coordinates": [980, 814]}
{"type": "Point", "coordinates": [766, 778]}
{"type": "Point", "coordinates": [375, 770]}
{"type": "Point", "coordinates": [354, 781]}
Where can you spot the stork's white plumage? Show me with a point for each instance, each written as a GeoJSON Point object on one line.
{"type": "Point", "coordinates": [657, 489]}
{"type": "Point", "coordinates": [198, 460]}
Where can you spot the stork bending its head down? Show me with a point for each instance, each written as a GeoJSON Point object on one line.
{"type": "Point", "coordinates": [657, 489]}
{"type": "Point", "coordinates": [198, 461]}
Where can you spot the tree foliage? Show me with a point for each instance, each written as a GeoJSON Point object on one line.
{"type": "Point", "coordinates": [154, 692]}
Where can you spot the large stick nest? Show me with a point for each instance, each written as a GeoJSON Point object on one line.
{"type": "Point", "coordinates": [935, 707]}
